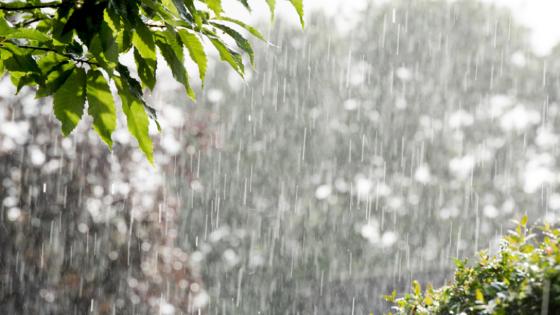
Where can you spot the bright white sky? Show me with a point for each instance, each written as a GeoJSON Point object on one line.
{"type": "Point", "coordinates": [541, 16]}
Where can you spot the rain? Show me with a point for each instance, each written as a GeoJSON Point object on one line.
{"type": "Point", "coordinates": [359, 154]}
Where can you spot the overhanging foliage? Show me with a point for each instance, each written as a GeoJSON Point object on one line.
{"type": "Point", "coordinates": [70, 49]}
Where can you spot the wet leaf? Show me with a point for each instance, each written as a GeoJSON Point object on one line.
{"type": "Point", "coordinates": [69, 100]}
{"type": "Point", "coordinates": [101, 106]}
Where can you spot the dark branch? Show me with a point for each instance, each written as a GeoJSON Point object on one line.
{"type": "Point", "coordinates": [155, 25]}
{"type": "Point", "coordinates": [29, 22]}
{"type": "Point", "coordinates": [8, 7]}
{"type": "Point", "coordinates": [69, 56]}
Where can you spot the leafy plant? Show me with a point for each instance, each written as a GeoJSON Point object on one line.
{"type": "Point", "coordinates": [70, 49]}
{"type": "Point", "coordinates": [523, 278]}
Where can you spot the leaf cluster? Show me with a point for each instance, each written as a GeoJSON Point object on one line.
{"type": "Point", "coordinates": [523, 278]}
{"type": "Point", "coordinates": [71, 49]}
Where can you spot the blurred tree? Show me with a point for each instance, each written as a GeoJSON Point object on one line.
{"type": "Point", "coordinates": [70, 49]}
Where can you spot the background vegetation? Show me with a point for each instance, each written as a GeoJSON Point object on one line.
{"type": "Point", "coordinates": [523, 278]}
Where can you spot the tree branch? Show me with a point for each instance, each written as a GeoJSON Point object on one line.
{"type": "Point", "coordinates": [69, 56]}
{"type": "Point", "coordinates": [8, 7]}
{"type": "Point", "coordinates": [31, 21]}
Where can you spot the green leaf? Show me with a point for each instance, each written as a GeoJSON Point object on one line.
{"type": "Point", "coordinates": [196, 51]}
{"type": "Point", "coordinates": [164, 10]}
{"type": "Point", "coordinates": [49, 62]}
{"type": "Point", "coordinates": [298, 5]}
{"type": "Point", "coordinates": [21, 79]}
{"type": "Point", "coordinates": [428, 300]}
{"type": "Point", "coordinates": [21, 66]}
{"type": "Point", "coordinates": [55, 70]}
{"type": "Point", "coordinates": [174, 59]}
{"type": "Point", "coordinates": [24, 33]}
{"type": "Point", "coordinates": [391, 298]}
{"type": "Point", "coordinates": [143, 41]}
{"type": "Point", "coordinates": [272, 7]}
{"type": "Point", "coordinates": [101, 106]}
{"type": "Point", "coordinates": [110, 46]}
{"type": "Point", "coordinates": [416, 287]}
{"type": "Point", "coordinates": [135, 89]}
{"type": "Point", "coordinates": [229, 56]}
{"type": "Point", "coordinates": [145, 54]}
{"type": "Point", "coordinates": [136, 116]}
{"type": "Point", "coordinates": [241, 41]}
{"type": "Point", "coordinates": [146, 70]}
{"type": "Point", "coordinates": [170, 6]}
{"type": "Point", "coordinates": [19, 60]}
{"type": "Point", "coordinates": [215, 5]}
{"type": "Point", "coordinates": [479, 296]}
{"type": "Point", "coordinates": [58, 26]}
{"type": "Point", "coordinates": [121, 31]}
{"type": "Point", "coordinates": [4, 27]}
{"type": "Point", "coordinates": [180, 6]}
{"type": "Point", "coordinates": [245, 4]}
{"type": "Point", "coordinates": [133, 86]}
{"type": "Point", "coordinates": [524, 220]}
{"type": "Point", "coordinates": [128, 11]}
{"type": "Point", "coordinates": [249, 28]}
{"type": "Point", "coordinates": [69, 100]}
{"type": "Point", "coordinates": [14, 5]}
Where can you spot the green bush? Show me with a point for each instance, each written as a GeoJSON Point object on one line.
{"type": "Point", "coordinates": [523, 278]}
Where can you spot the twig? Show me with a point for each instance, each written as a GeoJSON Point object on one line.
{"type": "Point", "coordinates": [69, 56]}
{"type": "Point", "coordinates": [7, 7]}
{"type": "Point", "coordinates": [29, 22]}
{"type": "Point", "coordinates": [155, 25]}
